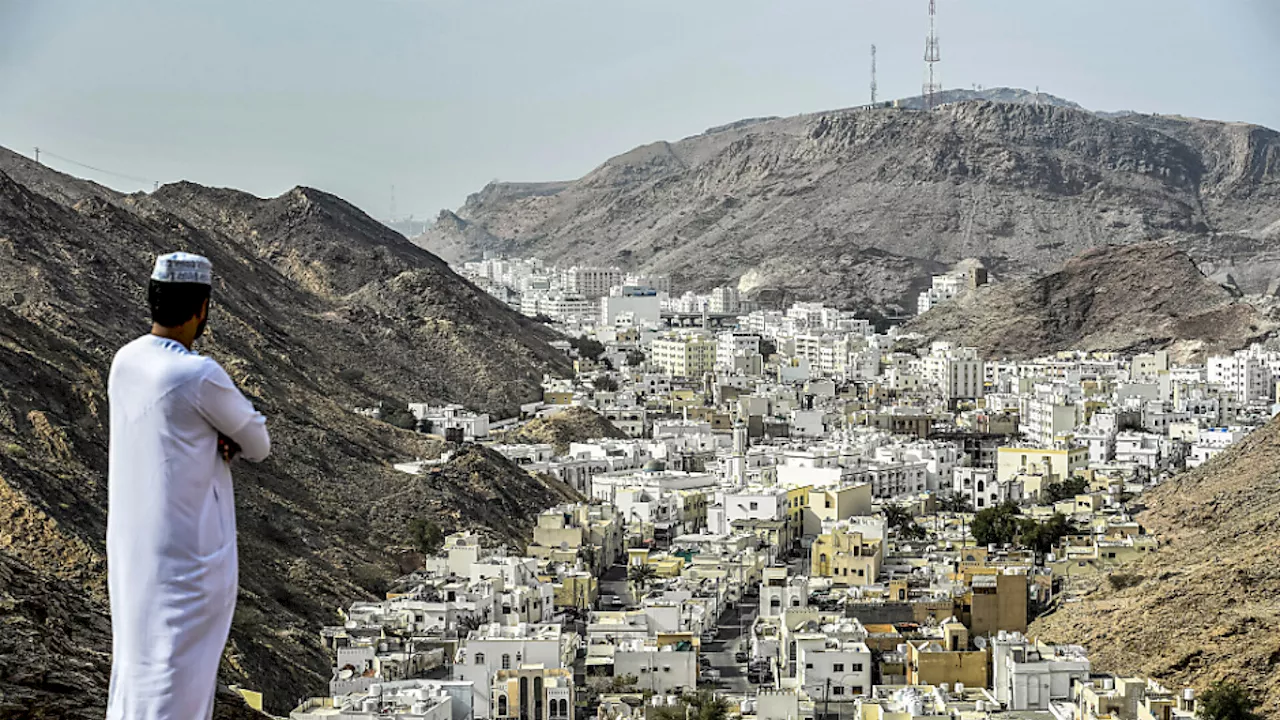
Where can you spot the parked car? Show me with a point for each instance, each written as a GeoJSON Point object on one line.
{"type": "Point", "coordinates": [711, 674]}
{"type": "Point", "coordinates": [741, 656]}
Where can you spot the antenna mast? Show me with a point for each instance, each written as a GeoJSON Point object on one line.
{"type": "Point", "coordinates": [873, 74]}
{"type": "Point", "coordinates": [932, 55]}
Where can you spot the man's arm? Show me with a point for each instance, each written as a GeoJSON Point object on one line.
{"type": "Point", "coordinates": [232, 415]}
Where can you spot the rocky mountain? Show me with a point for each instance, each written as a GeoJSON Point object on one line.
{"type": "Point", "coordinates": [859, 206]}
{"type": "Point", "coordinates": [1123, 298]}
{"type": "Point", "coordinates": [571, 425]}
{"type": "Point", "coordinates": [317, 310]}
{"type": "Point", "coordinates": [1202, 607]}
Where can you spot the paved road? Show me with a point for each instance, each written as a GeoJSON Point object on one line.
{"type": "Point", "coordinates": [614, 582]}
{"type": "Point", "coordinates": [729, 639]}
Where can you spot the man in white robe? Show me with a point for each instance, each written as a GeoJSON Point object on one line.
{"type": "Point", "coordinates": [177, 422]}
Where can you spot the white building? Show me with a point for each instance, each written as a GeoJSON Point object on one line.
{"type": "Point", "coordinates": [724, 300]}
{"type": "Point", "coordinates": [403, 700]}
{"type": "Point", "coordinates": [1211, 442]}
{"type": "Point", "coordinates": [496, 647]}
{"type": "Point", "coordinates": [945, 288]}
{"type": "Point", "coordinates": [1028, 675]}
{"type": "Point", "coordinates": [632, 306]}
{"type": "Point", "coordinates": [590, 282]}
{"type": "Point", "coordinates": [1244, 375]}
{"type": "Point", "coordinates": [440, 419]}
{"type": "Point", "coordinates": [955, 373]}
{"type": "Point", "coordinates": [660, 668]}
{"type": "Point", "coordinates": [780, 592]}
{"type": "Point", "coordinates": [832, 668]}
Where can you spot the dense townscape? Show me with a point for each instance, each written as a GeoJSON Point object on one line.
{"type": "Point", "coordinates": [788, 513]}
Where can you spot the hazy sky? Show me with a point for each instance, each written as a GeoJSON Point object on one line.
{"type": "Point", "coordinates": [438, 97]}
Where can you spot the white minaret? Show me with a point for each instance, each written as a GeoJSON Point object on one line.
{"type": "Point", "coordinates": [738, 462]}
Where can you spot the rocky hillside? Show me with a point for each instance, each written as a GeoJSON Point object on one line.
{"type": "Point", "coordinates": [1129, 298]}
{"type": "Point", "coordinates": [1204, 608]}
{"type": "Point", "coordinates": [860, 206]}
{"type": "Point", "coordinates": [317, 309]}
{"type": "Point", "coordinates": [574, 424]}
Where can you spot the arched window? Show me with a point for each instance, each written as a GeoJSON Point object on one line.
{"type": "Point", "coordinates": [979, 486]}
{"type": "Point", "coordinates": [502, 705]}
{"type": "Point", "coordinates": [506, 661]}
{"type": "Point", "coordinates": [519, 658]}
{"type": "Point", "coordinates": [479, 658]}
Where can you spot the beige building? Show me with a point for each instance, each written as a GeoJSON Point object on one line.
{"type": "Point", "coordinates": [846, 556]}
{"type": "Point", "coordinates": [1050, 464]}
{"type": "Point", "coordinates": [946, 658]}
{"type": "Point", "coordinates": [533, 692]}
{"type": "Point", "coordinates": [829, 504]}
{"type": "Point", "coordinates": [688, 356]}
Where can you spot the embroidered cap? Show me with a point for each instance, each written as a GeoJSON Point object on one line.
{"type": "Point", "coordinates": [181, 267]}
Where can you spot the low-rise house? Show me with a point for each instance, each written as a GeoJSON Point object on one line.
{"type": "Point", "coordinates": [404, 700]}
{"type": "Point", "coordinates": [532, 692]}
{"type": "Point", "coordinates": [1028, 675]}
{"type": "Point", "coordinates": [495, 647]}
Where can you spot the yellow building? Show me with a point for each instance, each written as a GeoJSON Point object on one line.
{"type": "Point", "coordinates": [796, 503]}
{"type": "Point", "coordinates": [578, 590]}
{"type": "Point", "coordinates": [946, 659]}
{"type": "Point", "coordinates": [835, 503]}
{"type": "Point", "coordinates": [846, 557]}
{"type": "Point", "coordinates": [532, 692]}
{"type": "Point", "coordinates": [688, 356]}
{"type": "Point", "coordinates": [693, 509]}
{"type": "Point", "coordinates": [1052, 464]}
{"type": "Point", "coordinates": [997, 602]}
{"type": "Point", "coordinates": [564, 397]}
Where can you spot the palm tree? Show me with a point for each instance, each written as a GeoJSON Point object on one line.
{"type": "Point", "coordinates": [642, 575]}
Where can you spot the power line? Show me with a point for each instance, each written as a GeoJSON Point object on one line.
{"type": "Point", "coordinates": [104, 171]}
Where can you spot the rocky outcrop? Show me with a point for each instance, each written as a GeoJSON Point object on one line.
{"type": "Point", "coordinates": [571, 425]}
{"type": "Point", "coordinates": [1122, 298]}
{"type": "Point", "coordinates": [317, 310]}
{"type": "Point", "coordinates": [860, 206]}
{"type": "Point", "coordinates": [1202, 607]}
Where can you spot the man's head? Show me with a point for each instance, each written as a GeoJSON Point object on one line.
{"type": "Point", "coordinates": [179, 296]}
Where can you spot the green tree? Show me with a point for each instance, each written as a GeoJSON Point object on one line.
{"type": "Point", "coordinates": [642, 575]}
{"type": "Point", "coordinates": [896, 516]}
{"type": "Point", "coordinates": [703, 706]}
{"type": "Point", "coordinates": [1042, 537]}
{"type": "Point", "coordinates": [428, 538]}
{"type": "Point", "coordinates": [1064, 490]}
{"type": "Point", "coordinates": [587, 347]}
{"type": "Point", "coordinates": [635, 358]}
{"type": "Point", "coordinates": [998, 524]}
{"type": "Point", "coordinates": [605, 383]}
{"type": "Point", "coordinates": [953, 502]}
{"type": "Point", "coordinates": [401, 418]}
{"type": "Point", "coordinates": [1227, 700]}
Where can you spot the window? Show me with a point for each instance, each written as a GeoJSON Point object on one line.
{"type": "Point", "coordinates": [502, 705]}
{"type": "Point", "coordinates": [837, 690]}
{"type": "Point", "coordinates": [857, 667]}
{"type": "Point", "coordinates": [837, 667]}
{"type": "Point", "coordinates": [755, 506]}
{"type": "Point", "coordinates": [506, 661]}
{"type": "Point", "coordinates": [857, 690]}
{"type": "Point", "coordinates": [828, 503]}
{"type": "Point", "coordinates": [479, 658]}
{"type": "Point", "coordinates": [808, 666]}
{"type": "Point", "coordinates": [519, 658]}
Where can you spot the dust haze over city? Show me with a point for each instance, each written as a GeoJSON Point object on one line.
{"type": "Point", "coordinates": [910, 359]}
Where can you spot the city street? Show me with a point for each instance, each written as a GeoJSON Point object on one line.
{"type": "Point", "coordinates": [730, 637]}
